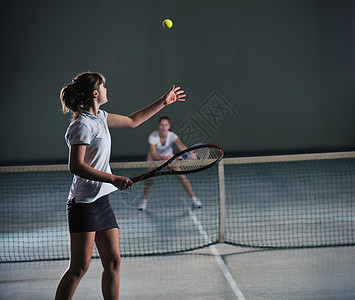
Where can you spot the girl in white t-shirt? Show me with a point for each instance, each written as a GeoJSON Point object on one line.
{"type": "Point", "coordinates": [89, 213]}
{"type": "Point", "coordinates": [160, 148]}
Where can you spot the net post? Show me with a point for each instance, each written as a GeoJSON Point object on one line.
{"type": "Point", "coordinates": [222, 201]}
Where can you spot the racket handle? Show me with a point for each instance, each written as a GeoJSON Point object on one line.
{"type": "Point", "coordinates": [137, 178]}
{"type": "Point", "coordinates": [141, 177]}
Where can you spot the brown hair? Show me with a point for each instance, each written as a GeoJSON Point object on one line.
{"type": "Point", "coordinates": [163, 118]}
{"type": "Point", "coordinates": [77, 95]}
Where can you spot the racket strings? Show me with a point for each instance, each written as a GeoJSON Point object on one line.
{"type": "Point", "coordinates": [196, 159]}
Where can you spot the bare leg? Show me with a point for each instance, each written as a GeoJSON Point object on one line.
{"type": "Point", "coordinates": [186, 185]}
{"type": "Point", "coordinates": [81, 245]}
{"type": "Point", "coordinates": [147, 188]}
{"type": "Point", "coordinates": [146, 191]}
{"type": "Point", "coordinates": [107, 243]}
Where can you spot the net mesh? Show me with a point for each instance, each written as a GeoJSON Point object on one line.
{"type": "Point", "coordinates": [296, 203]}
{"type": "Point", "coordinates": [195, 159]}
{"type": "Point", "coordinates": [291, 204]}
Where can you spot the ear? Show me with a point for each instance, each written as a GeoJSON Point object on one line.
{"type": "Point", "coordinates": [95, 94]}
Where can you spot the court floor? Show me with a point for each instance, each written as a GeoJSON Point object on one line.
{"type": "Point", "coordinates": [313, 273]}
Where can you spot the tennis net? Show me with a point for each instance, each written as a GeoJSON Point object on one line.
{"type": "Point", "coordinates": [268, 202]}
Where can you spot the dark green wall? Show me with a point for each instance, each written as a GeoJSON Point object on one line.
{"type": "Point", "coordinates": [284, 71]}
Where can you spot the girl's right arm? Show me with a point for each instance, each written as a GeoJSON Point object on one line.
{"type": "Point", "coordinates": [154, 155]}
{"type": "Point", "coordinates": [78, 167]}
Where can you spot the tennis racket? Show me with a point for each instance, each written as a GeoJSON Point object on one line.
{"type": "Point", "coordinates": [191, 160]}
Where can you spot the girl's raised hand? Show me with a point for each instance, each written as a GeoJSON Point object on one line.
{"type": "Point", "coordinates": [173, 95]}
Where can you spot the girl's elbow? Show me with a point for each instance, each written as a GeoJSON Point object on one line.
{"type": "Point", "coordinates": [135, 121]}
{"type": "Point", "coordinates": [134, 124]}
{"type": "Point", "coordinates": [71, 169]}
{"type": "Point", "coordinates": [74, 168]}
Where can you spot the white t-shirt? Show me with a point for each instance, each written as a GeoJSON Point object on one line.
{"type": "Point", "coordinates": [92, 131]}
{"type": "Point", "coordinates": [166, 149]}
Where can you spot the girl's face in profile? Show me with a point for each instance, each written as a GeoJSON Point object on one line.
{"type": "Point", "coordinates": [102, 99]}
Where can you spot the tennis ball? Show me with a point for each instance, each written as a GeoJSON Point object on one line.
{"type": "Point", "coordinates": [167, 23]}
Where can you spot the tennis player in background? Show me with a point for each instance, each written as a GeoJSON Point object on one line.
{"type": "Point", "coordinates": [89, 213]}
{"type": "Point", "coordinates": [160, 148]}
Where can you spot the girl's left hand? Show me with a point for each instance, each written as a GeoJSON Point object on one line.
{"type": "Point", "coordinates": [173, 95]}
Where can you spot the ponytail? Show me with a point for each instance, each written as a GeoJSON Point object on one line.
{"type": "Point", "coordinates": [77, 96]}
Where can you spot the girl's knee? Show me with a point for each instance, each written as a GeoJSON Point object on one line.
{"type": "Point", "coordinates": [79, 269]}
{"type": "Point", "coordinates": [116, 263]}
{"type": "Point", "coordinates": [113, 265]}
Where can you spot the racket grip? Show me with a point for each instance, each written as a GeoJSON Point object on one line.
{"type": "Point", "coordinates": [136, 178]}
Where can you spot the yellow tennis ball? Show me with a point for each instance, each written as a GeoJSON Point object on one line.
{"type": "Point", "coordinates": [167, 23]}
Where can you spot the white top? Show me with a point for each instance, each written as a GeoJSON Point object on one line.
{"type": "Point", "coordinates": [92, 131]}
{"type": "Point", "coordinates": [166, 149]}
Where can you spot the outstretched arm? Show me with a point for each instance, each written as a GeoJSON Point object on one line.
{"type": "Point", "coordinates": [137, 118]}
{"type": "Point", "coordinates": [180, 145]}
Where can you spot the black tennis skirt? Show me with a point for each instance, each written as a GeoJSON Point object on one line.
{"type": "Point", "coordinates": [87, 217]}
